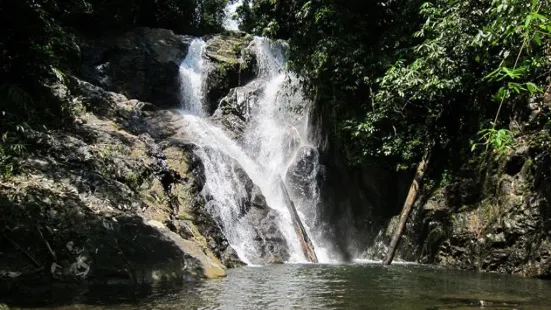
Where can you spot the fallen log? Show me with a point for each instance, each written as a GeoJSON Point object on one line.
{"type": "Point", "coordinates": [304, 239]}
{"type": "Point", "coordinates": [413, 193]}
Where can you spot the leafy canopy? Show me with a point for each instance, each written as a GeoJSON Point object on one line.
{"type": "Point", "coordinates": [396, 76]}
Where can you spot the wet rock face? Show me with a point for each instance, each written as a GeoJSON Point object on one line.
{"type": "Point", "coordinates": [142, 64]}
{"type": "Point", "coordinates": [507, 231]}
{"type": "Point", "coordinates": [233, 65]}
{"type": "Point", "coordinates": [254, 213]}
{"type": "Point", "coordinates": [193, 219]}
{"type": "Point", "coordinates": [302, 172]}
{"type": "Point", "coordinates": [215, 238]}
{"type": "Point", "coordinates": [234, 110]}
{"type": "Point", "coordinates": [92, 192]}
{"type": "Point", "coordinates": [241, 101]}
{"type": "Point", "coordinates": [270, 242]}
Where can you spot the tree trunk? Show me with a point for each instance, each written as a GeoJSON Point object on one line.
{"type": "Point", "coordinates": [414, 190]}
{"type": "Point", "coordinates": [304, 239]}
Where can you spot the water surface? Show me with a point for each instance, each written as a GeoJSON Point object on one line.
{"type": "Point", "coordinates": [354, 286]}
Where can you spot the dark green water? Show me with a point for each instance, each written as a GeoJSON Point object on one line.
{"type": "Point", "coordinates": [356, 286]}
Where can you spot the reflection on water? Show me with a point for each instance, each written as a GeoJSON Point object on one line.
{"type": "Point", "coordinates": [356, 286]}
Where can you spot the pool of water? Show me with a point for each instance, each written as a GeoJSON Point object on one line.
{"type": "Point", "coordinates": [353, 286]}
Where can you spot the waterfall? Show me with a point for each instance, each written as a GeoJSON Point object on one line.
{"type": "Point", "coordinates": [192, 72]}
{"type": "Point", "coordinates": [279, 134]}
{"type": "Point", "coordinates": [276, 132]}
{"type": "Point", "coordinates": [229, 22]}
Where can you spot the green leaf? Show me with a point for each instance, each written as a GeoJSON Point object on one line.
{"type": "Point", "coordinates": [537, 38]}
{"type": "Point", "coordinates": [516, 87]}
{"type": "Point", "coordinates": [529, 19]}
{"type": "Point", "coordinates": [534, 4]}
{"type": "Point", "coordinates": [533, 88]}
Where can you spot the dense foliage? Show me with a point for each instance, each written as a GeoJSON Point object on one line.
{"type": "Point", "coordinates": [38, 34]}
{"type": "Point", "coordinates": [401, 75]}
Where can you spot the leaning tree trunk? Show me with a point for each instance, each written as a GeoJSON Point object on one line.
{"type": "Point", "coordinates": [304, 239]}
{"type": "Point", "coordinates": [414, 190]}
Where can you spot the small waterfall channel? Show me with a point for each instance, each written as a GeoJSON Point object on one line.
{"type": "Point", "coordinates": [272, 149]}
{"type": "Point", "coordinates": [229, 22]}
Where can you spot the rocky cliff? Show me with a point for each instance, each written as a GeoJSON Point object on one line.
{"type": "Point", "coordinates": [495, 216]}
{"type": "Point", "coordinates": [118, 197]}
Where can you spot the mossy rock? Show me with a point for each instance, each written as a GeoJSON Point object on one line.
{"type": "Point", "coordinates": [233, 66]}
{"type": "Point", "coordinates": [226, 49]}
{"type": "Point", "coordinates": [178, 160]}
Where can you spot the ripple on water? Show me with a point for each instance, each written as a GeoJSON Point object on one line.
{"type": "Point", "coordinates": [310, 286]}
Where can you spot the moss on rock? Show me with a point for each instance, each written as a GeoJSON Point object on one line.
{"type": "Point", "coordinates": [233, 65]}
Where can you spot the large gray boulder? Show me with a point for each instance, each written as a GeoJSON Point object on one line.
{"type": "Point", "coordinates": [233, 65]}
{"type": "Point", "coordinates": [241, 101]}
{"type": "Point", "coordinates": [269, 240]}
{"type": "Point", "coordinates": [104, 202]}
{"type": "Point", "coordinates": [235, 108]}
{"type": "Point", "coordinates": [142, 64]}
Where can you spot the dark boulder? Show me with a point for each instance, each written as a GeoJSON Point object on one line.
{"type": "Point", "coordinates": [304, 173]}
{"type": "Point", "coordinates": [241, 101]}
{"type": "Point", "coordinates": [142, 64]}
{"type": "Point", "coordinates": [235, 108]}
{"type": "Point", "coordinates": [233, 65]}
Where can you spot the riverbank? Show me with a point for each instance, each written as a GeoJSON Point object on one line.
{"type": "Point", "coordinates": [115, 197]}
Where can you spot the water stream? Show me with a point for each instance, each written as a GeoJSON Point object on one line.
{"type": "Point", "coordinates": [193, 69]}
{"type": "Point", "coordinates": [229, 22]}
{"type": "Point", "coordinates": [277, 128]}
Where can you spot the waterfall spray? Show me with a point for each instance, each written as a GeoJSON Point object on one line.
{"type": "Point", "coordinates": [276, 131]}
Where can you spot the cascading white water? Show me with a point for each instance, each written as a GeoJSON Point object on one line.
{"type": "Point", "coordinates": [276, 129]}
{"type": "Point", "coordinates": [214, 149]}
{"type": "Point", "coordinates": [192, 70]}
{"type": "Point", "coordinates": [217, 151]}
{"type": "Point", "coordinates": [229, 22]}
{"type": "Point", "coordinates": [279, 129]}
